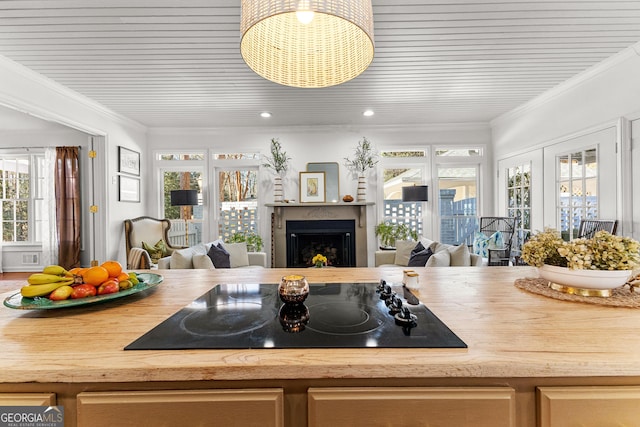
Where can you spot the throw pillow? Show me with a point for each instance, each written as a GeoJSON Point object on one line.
{"type": "Point", "coordinates": [419, 258]}
{"type": "Point", "coordinates": [439, 259]}
{"type": "Point", "coordinates": [201, 261]}
{"type": "Point", "coordinates": [459, 256]}
{"type": "Point", "coordinates": [238, 254]}
{"type": "Point", "coordinates": [496, 241]}
{"type": "Point", "coordinates": [403, 251]}
{"type": "Point", "coordinates": [219, 256]}
{"type": "Point", "coordinates": [182, 259]}
{"type": "Point", "coordinates": [481, 245]}
{"type": "Point", "coordinates": [157, 251]}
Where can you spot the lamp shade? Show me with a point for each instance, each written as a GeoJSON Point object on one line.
{"type": "Point", "coordinates": [184, 197]}
{"type": "Point", "coordinates": [416, 193]}
{"type": "Point", "coordinates": [307, 43]}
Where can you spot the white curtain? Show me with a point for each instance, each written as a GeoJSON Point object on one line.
{"type": "Point", "coordinates": [49, 227]}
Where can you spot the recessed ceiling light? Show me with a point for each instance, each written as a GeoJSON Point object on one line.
{"type": "Point", "coordinates": [265, 114]}
{"type": "Point", "coordinates": [368, 113]}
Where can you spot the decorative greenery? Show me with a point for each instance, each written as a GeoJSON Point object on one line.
{"type": "Point", "coordinates": [389, 233]}
{"type": "Point", "coordinates": [278, 161]}
{"type": "Point", "coordinates": [602, 252]}
{"type": "Point", "coordinates": [364, 157]}
{"type": "Point", "coordinates": [319, 260]}
{"type": "Point", "coordinates": [254, 242]}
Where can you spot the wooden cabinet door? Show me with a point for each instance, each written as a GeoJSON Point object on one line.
{"type": "Point", "coordinates": [409, 406]}
{"type": "Point", "coordinates": [179, 408]}
{"type": "Point", "coordinates": [607, 406]}
{"type": "Point", "coordinates": [27, 399]}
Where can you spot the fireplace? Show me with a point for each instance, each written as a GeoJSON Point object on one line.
{"type": "Point", "coordinates": [335, 239]}
{"type": "Point", "coordinates": [339, 228]}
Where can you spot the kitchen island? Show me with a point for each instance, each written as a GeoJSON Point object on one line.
{"type": "Point", "coordinates": [529, 358]}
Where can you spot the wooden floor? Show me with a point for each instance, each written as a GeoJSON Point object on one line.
{"type": "Point", "coordinates": [12, 282]}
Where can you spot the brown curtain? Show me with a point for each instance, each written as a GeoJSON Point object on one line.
{"type": "Point", "coordinates": [67, 177]}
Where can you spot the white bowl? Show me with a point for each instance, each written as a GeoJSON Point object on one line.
{"type": "Point", "coordinates": [585, 279]}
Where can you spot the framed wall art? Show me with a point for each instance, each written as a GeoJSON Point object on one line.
{"type": "Point", "coordinates": [129, 161]}
{"type": "Point", "coordinates": [312, 187]}
{"type": "Point", "coordinates": [128, 189]}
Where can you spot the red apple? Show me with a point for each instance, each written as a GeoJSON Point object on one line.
{"type": "Point", "coordinates": [111, 286]}
{"type": "Point", "coordinates": [83, 291]}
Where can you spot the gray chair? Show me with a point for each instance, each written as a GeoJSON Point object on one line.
{"type": "Point", "coordinates": [505, 225]}
{"type": "Point", "coordinates": [589, 227]}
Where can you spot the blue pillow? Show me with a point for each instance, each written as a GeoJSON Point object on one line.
{"type": "Point", "coordinates": [482, 243]}
{"type": "Point", "coordinates": [219, 256]}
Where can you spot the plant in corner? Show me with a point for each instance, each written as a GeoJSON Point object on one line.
{"type": "Point", "coordinates": [389, 233]}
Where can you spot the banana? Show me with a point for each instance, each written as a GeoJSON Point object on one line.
{"type": "Point", "coordinates": [42, 278]}
{"type": "Point", "coordinates": [32, 291]}
{"type": "Point", "coordinates": [55, 270]}
{"type": "Point", "coordinates": [133, 277]}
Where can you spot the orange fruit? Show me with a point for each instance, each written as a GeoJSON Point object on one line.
{"type": "Point", "coordinates": [77, 271]}
{"type": "Point", "coordinates": [123, 276]}
{"type": "Point", "coordinates": [113, 267]}
{"type": "Point", "coordinates": [95, 275]}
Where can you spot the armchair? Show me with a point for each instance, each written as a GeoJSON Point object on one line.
{"type": "Point", "coordinates": [506, 226]}
{"type": "Point", "coordinates": [148, 230]}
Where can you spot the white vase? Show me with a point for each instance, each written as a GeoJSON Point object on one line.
{"type": "Point", "coordinates": [597, 280]}
{"type": "Point", "coordinates": [362, 189]}
{"type": "Point", "coordinates": [278, 195]}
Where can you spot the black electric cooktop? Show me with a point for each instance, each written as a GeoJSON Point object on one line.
{"type": "Point", "coordinates": [337, 315]}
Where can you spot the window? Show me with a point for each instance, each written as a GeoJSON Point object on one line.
{"type": "Point", "coordinates": [236, 193]}
{"type": "Point", "coordinates": [182, 171]}
{"type": "Point", "coordinates": [577, 185]}
{"type": "Point", "coordinates": [519, 201]}
{"type": "Point", "coordinates": [21, 189]}
{"type": "Point", "coordinates": [400, 169]}
{"type": "Point", "coordinates": [458, 175]}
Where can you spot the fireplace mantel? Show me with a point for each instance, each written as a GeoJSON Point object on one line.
{"type": "Point", "coordinates": [283, 212]}
{"type": "Point", "coordinates": [320, 210]}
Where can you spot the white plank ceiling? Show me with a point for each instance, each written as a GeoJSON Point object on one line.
{"type": "Point", "coordinates": [177, 63]}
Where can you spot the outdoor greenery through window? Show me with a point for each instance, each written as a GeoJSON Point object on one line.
{"type": "Point", "coordinates": [402, 168]}
{"type": "Point", "coordinates": [577, 187]}
{"type": "Point", "coordinates": [21, 180]}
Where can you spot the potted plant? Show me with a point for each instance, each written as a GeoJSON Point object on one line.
{"type": "Point", "coordinates": [279, 163]}
{"type": "Point", "coordinates": [253, 241]}
{"type": "Point", "coordinates": [364, 159]}
{"type": "Point", "coordinates": [389, 233]}
{"type": "Point", "coordinates": [602, 262]}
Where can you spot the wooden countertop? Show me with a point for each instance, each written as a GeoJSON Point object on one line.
{"type": "Point", "coordinates": [510, 333]}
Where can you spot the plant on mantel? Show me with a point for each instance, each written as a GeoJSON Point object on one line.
{"type": "Point", "coordinates": [278, 161]}
{"type": "Point", "coordinates": [364, 158]}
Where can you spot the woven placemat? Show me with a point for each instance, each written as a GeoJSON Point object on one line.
{"type": "Point", "coordinates": [620, 297]}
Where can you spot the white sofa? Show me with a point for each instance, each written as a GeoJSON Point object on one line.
{"type": "Point", "coordinates": [443, 255]}
{"type": "Point", "coordinates": [195, 257]}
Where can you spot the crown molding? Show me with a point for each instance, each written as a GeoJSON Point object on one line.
{"type": "Point", "coordinates": [45, 114]}
{"type": "Point", "coordinates": [569, 84]}
{"type": "Point", "coordinates": [319, 128]}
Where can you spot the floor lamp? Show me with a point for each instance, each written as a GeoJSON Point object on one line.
{"type": "Point", "coordinates": [184, 198]}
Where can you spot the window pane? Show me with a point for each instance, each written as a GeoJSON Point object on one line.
{"type": "Point", "coordinates": [457, 204]}
{"type": "Point", "coordinates": [186, 221]}
{"type": "Point", "coordinates": [238, 202]}
{"type": "Point", "coordinates": [178, 156]}
{"type": "Point", "coordinates": [394, 209]}
{"type": "Point", "coordinates": [459, 152]}
{"type": "Point", "coordinates": [236, 156]}
{"type": "Point", "coordinates": [392, 154]}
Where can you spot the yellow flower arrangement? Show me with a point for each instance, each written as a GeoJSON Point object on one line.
{"type": "Point", "coordinates": [602, 252]}
{"type": "Point", "coordinates": [319, 260]}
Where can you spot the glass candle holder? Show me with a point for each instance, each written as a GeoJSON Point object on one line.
{"type": "Point", "coordinates": [293, 289]}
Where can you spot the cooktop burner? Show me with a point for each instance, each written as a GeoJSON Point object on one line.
{"type": "Point", "coordinates": [337, 315]}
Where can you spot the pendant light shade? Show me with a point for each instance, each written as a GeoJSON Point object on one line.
{"type": "Point", "coordinates": [307, 43]}
{"type": "Point", "coordinates": [415, 193]}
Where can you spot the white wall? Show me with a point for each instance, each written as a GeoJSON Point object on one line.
{"type": "Point", "coordinates": [25, 90]}
{"type": "Point", "coordinates": [606, 94]}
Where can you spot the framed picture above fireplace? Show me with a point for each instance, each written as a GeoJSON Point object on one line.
{"type": "Point", "coordinates": [312, 187]}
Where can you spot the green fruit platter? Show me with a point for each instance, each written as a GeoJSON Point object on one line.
{"type": "Point", "coordinates": [17, 301]}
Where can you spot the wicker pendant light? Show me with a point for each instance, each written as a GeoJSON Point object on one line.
{"type": "Point", "coordinates": [307, 43]}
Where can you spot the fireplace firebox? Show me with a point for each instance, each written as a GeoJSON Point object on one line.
{"type": "Point", "coordinates": [335, 239]}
